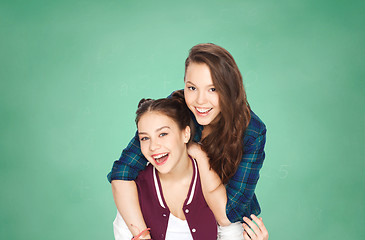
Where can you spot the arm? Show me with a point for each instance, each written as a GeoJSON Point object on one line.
{"type": "Point", "coordinates": [126, 199]}
{"type": "Point", "coordinates": [124, 189]}
{"type": "Point", "coordinates": [121, 231]}
{"type": "Point", "coordinates": [241, 187]}
{"type": "Point", "coordinates": [213, 189]}
{"type": "Point", "coordinates": [240, 199]}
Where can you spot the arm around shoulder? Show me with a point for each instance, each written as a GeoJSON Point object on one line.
{"type": "Point", "coordinates": [213, 189]}
{"type": "Point", "coordinates": [241, 187]}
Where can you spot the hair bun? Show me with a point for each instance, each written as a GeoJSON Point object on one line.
{"type": "Point", "coordinates": [179, 96]}
{"type": "Point", "coordinates": [143, 100]}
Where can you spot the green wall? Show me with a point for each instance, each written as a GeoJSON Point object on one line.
{"type": "Point", "coordinates": [72, 72]}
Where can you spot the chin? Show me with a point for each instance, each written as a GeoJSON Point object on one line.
{"type": "Point", "coordinates": [163, 171]}
{"type": "Point", "coordinates": [203, 122]}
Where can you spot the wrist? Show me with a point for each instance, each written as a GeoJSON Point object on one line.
{"type": "Point", "coordinates": [223, 222]}
{"type": "Point", "coordinates": [145, 234]}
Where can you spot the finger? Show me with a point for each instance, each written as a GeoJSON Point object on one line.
{"type": "Point", "coordinates": [249, 231]}
{"type": "Point", "coordinates": [245, 236]}
{"type": "Point", "coordinates": [253, 226]}
{"type": "Point", "coordinates": [260, 223]}
{"type": "Point", "coordinates": [257, 220]}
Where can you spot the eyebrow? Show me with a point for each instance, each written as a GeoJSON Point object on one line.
{"type": "Point", "coordinates": [211, 85]}
{"type": "Point", "coordinates": [190, 82]}
{"type": "Point", "coordinates": [157, 130]}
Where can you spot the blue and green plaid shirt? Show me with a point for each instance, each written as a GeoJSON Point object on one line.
{"type": "Point", "coordinates": [241, 199]}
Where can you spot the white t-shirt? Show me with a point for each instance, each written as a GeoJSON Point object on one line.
{"type": "Point", "coordinates": [178, 229]}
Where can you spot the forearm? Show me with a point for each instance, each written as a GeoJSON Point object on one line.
{"type": "Point", "coordinates": [217, 200]}
{"type": "Point", "coordinates": [214, 191]}
{"type": "Point", "coordinates": [126, 199]}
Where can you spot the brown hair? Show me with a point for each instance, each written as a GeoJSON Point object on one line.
{"type": "Point", "coordinates": [173, 107]}
{"type": "Point", "coordinates": [224, 145]}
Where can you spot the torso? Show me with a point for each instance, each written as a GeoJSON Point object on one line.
{"type": "Point", "coordinates": [188, 204]}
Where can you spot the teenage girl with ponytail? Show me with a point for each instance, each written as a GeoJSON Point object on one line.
{"type": "Point", "coordinates": [229, 146]}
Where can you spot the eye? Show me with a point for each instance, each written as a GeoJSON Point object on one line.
{"type": "Point", "coordinates": [143, 139]}
{"type": "Point", "coordinates": [212, 90]}
{"type": "Point", "coordinates": [163, 134]}
{"type": "Point", "coordinates": [192, 88]}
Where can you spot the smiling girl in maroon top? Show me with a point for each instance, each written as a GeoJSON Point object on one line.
{"type": "Point", "coordinates": [169, 189]}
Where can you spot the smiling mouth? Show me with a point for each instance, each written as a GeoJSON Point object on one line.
{"type": "Point", "coordinates": [160, 158]}
{"type": "Point", "coordinates": [203, 111]}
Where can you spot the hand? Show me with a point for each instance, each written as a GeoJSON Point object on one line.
{"type": "Point", "coordinates": [253, 231]}
{"type": "Point", "coordinates": [195, 151]}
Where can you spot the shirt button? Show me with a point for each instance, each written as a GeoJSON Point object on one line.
{"type": "Point", "coordinates": [162, 236]}
{"type": "Point", "coordinates": [164, 215]}
{"type": "Point", "coordinates": [187, 210]}
{"type": "Point", "coordinates": [193, 230]}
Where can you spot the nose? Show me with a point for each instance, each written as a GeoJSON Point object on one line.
{"type": "Point", "coordinates": [154, 145]}
{"type": "Point", "coordinates": [201, 98]}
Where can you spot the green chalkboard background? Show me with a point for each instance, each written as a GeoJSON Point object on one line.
{"type": "Point", "coordinates": [72, 72]}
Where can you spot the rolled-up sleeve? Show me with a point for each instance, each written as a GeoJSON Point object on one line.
{"type": "Point", "coordinates": [130, 162]}
{"type": "Point", "coordinates": [241, 199]}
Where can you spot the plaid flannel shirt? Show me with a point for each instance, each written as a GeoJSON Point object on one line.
{"type": "Point", "coordinates": [241, 199]}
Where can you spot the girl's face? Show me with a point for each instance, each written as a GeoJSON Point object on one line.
{"type": "Point", "coordinates": [162, 142]}
{"type": "Point", "coordinates": [200, 94]}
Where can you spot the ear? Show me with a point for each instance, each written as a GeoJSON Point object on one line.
{"type": "Point", "coordinates": [187, 134]}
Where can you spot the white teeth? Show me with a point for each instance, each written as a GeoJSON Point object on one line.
{"type": "Point", "coordinates": [203, 110]}
{"type": "Point", "coordinates": [160, 156]}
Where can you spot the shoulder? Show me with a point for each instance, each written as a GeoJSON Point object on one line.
{"type": "Point", "coordinates": [255, 129]}
{"type": "Point", "coordinates": [144, 175]}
